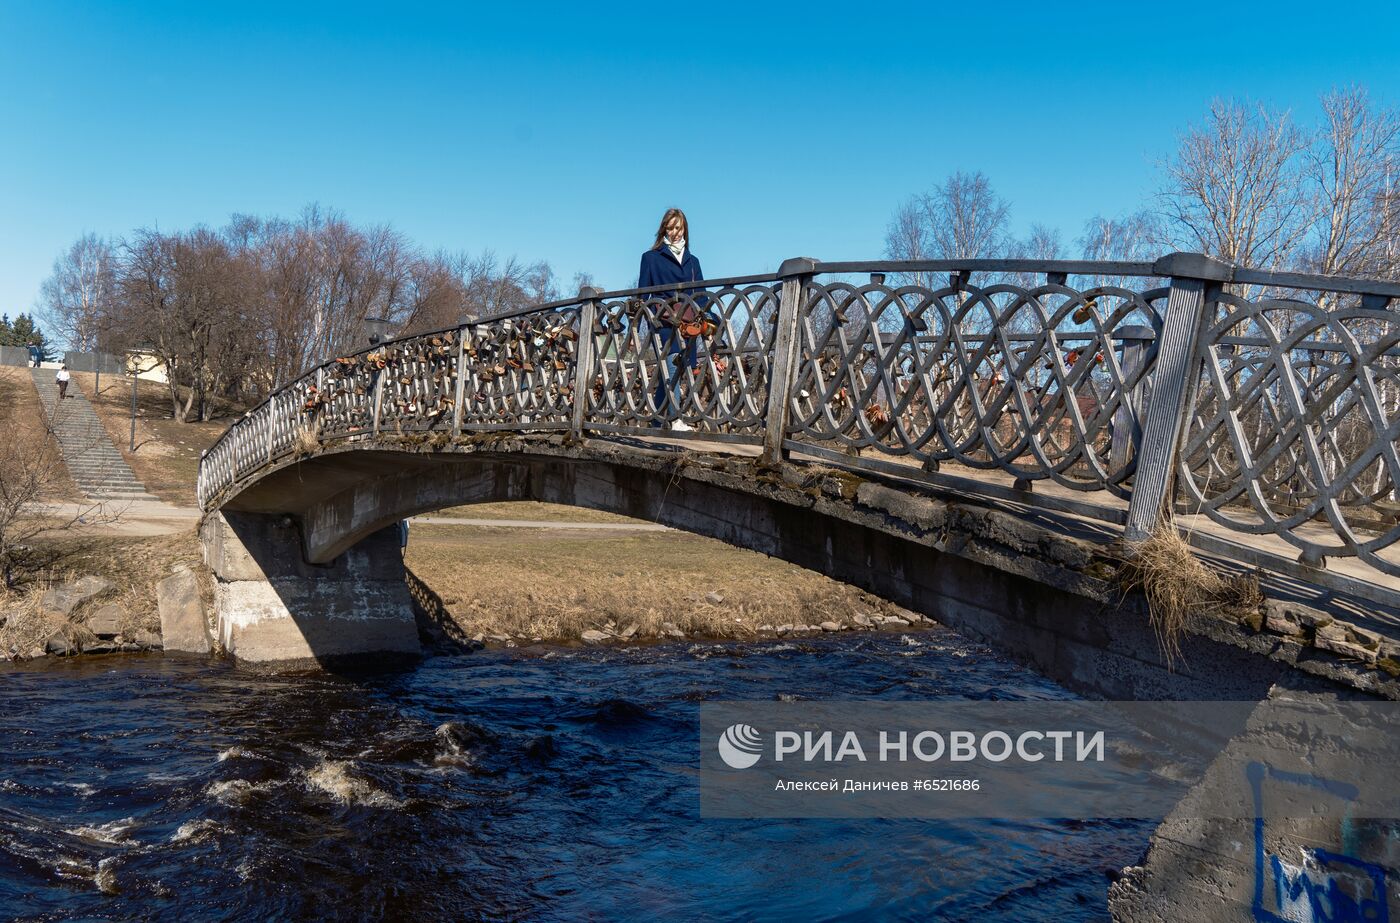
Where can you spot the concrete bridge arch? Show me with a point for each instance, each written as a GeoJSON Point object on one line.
{"type": "Point", "coordinates": [307, 558]}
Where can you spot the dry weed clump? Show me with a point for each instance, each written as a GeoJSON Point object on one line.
{"type": "Point", "coordinates": [24, 625]}
{"type": "Point", "coordinates": [1178, 585]}
{"type": "Point", "coordinates": [135, 565]}
{"type": "Point", "coordinates": [308, 441]}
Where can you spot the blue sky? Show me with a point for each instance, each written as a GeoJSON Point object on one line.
{"type": "Point", "coordinates": [563, 131]}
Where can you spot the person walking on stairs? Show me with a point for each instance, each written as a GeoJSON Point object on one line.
{"type": "Point", "coordinates": [62, 379]}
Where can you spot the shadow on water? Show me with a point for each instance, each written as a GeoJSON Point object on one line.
{"type": "Point", "coordinates": [541, 783]}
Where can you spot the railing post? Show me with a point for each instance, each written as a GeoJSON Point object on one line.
{"type": "Point", "coordinates": [787, 346]}
{"type": "Point", "coordinates": [583, 356]}
{"type": "Point", "coordinates": [1128, 417]}
{"type": "Point", "coordinates": [378, 401]}
{"type": "Point", "coordinates": [271, 406]}
{"type": "Point", "coordinates": [1178, 364]}
{"type": "Point", "coordinates": [459, 387]}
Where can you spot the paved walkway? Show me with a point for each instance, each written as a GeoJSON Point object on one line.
{"type": "Point", "coordinates": [121, 517]}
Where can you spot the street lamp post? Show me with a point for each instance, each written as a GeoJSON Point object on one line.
{"type": "Point", "coordinates": [133, 364]}
{"type": "Point", "coordinates": [135, 377]}
{"type": "Point", "coordinates": [378, 329]}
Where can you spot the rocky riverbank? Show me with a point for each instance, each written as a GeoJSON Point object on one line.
{"type": "Point", "coordinates": [106, 595]}
{"type": "Point", "coordinates": [71, 618]}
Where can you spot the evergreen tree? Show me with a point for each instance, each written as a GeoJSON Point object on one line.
{"type": "Point", "coordinates": [22, 331]}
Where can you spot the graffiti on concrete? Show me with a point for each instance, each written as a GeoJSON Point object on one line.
{"type": "Point", "coordinates": [1324, 886]}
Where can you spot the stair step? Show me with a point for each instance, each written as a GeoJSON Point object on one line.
{"type": "Point", "coordinates": [92, 459]}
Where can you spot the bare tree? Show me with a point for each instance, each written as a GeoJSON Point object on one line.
{"type": "Point", "coordinates": [909, 237]}
{"type": "Point", "coordinates": [1137, 237]}
{"type": "Point", "coordinates": [79, 292]}
{"type": "Point", "coordinates": [237, 312]}
{"type": "Point", "coordinates": [30, 470]}
{"type": "Point", "coordinates": [1350, 166]}
{"type": "Point", "coordinates": [1043, 244]}
{"type": "Point", "coordinates": [1134, 238]}
{"type": "Point", "coordinates": [1233, 189]}
{"type": "Point", "coordinates": [963, 218]}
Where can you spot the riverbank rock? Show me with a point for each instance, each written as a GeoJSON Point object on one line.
{"type": "Point", "coordinates": [830, 626]}
{"type": "Point", "coordinates": [147, 640]}
{"type": "Point", "coordinates": [66, 597]}
{"type": "Point", "coordinates": [59, 645]}
{"type": "Point", "coordinates": [182, 625]}
{"type": "Point", "coordinates": [107, 621]}
{"type": "Point", "coordinates": [592, 636]}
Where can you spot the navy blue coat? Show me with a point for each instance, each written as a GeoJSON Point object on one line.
{"type": "Point", "coordinates": [660, 267]}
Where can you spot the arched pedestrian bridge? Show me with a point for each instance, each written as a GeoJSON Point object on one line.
{"type": "Point", "coordinates": [975, 439]}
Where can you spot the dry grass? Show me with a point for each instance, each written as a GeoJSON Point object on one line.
{"type": "Point", "coordinates": [531, 511]}
{"type": "Point", "coordinates": [555, 585]}
{"type": "Point", "coordinates": [1179, 586]}
{"type": "Point", "coordinates": [308, 441]}
{"type": "Point", "coordinates": [24, 626]}
{"type": "Point", "coordinates": [167, 453]}
{"type": "Point", "coordinates": [134, 565]}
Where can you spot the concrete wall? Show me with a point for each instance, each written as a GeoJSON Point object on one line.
{"type": "Point", "coordinates": [14, 355]}
{"type": "Point", "coordinates": [272, 609]}
{"type": "Point", "coordinates": [93, 362]}
{"type": "Point", "coordinates": [1277, 828]}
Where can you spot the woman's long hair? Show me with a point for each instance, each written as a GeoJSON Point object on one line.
{"type": "Point", "coordinates": [665, 220]}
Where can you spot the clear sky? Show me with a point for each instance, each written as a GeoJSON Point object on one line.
{"type": "Point", "coordinates": [563, 131]}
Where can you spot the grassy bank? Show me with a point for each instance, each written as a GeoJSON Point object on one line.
{"type": "Point", "coordinates": [555, 585]}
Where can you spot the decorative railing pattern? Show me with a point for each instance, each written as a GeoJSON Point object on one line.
{"type": "Point", "coordinates": [720, 384]}
{"type": "Point", "coordinates": [1038, 381]}
{"type": "Point", "coordinates": [1269, 402]}
{"type": "Point", "coordinates": [1296, 423]}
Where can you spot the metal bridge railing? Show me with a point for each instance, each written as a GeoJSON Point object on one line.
{"type": "Point", "coordinates": [1268, 402]}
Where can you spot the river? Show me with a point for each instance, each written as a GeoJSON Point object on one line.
{"type": "Point", "coordinates": [540, 783]}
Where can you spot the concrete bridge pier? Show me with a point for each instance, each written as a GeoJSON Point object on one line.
{"type": "Point", "coordinates": [272, 607]}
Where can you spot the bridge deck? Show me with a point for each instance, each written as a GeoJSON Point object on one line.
{"type": "Point", "coordinates": [1363, 607]}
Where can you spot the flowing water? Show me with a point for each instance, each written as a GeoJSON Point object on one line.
{"type": "Point", "coordinates": [549, 783]}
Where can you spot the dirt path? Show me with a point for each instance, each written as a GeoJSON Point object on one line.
{"type": "Point", "coordinates": [121, 517]}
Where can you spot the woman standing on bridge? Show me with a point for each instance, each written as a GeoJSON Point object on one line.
{"type": "Point", "coordinates": [682, 319]}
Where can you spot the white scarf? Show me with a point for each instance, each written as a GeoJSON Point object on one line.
{"type": "Point", "coordinates": [677, 248]}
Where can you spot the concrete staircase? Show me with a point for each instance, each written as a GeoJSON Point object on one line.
{"type": "Point", "coordinates": [94, 462]}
